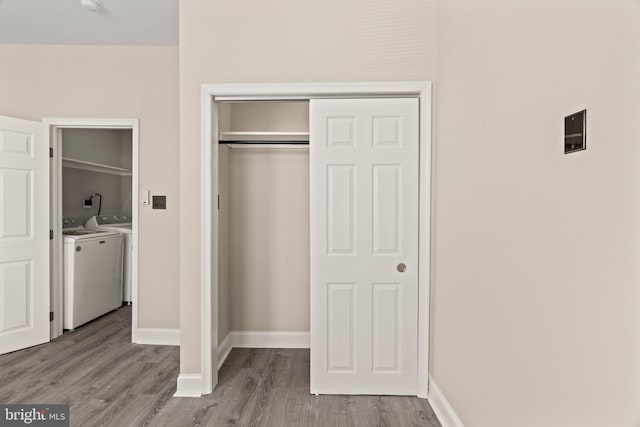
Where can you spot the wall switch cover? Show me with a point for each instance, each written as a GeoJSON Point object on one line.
{"type": "Point", "coordinates": [575, 132]}
{"type": "Point", "coordinates": [146, 195]}
{"type": "Point", "coordinates": [159, 202]}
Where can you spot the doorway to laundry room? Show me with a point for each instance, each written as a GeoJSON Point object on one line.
{"type": "Point", "coordinates": [94, 222]}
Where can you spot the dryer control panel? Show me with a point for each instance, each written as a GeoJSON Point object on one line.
{"type": "Point", "coordinates": [111, 219]}
{"type": "Point", "coordinates": [71, 223]}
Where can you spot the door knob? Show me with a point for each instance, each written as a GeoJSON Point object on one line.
{"type": "Point", "coordinates": [401, 267]}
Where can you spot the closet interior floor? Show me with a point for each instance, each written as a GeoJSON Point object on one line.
{"type": "Point", "coordinates": [109, 381]}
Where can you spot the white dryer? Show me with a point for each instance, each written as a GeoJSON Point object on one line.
{"type": "Point", "coordinates": [92, 273]}
{"type": "Point", "coordinates": [122, 224]}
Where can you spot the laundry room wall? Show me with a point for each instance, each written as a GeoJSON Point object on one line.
{"type": "Point", "coordinates": [111, 147]}
{"type": "Point", "coordinates": [78, 185]}
{"type": "Point", "coordinates": [140, 82]}
{"type": "Point", "coordinates": [282, 41]}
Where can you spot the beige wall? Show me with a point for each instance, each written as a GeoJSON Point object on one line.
{"type": "Point", "coordinates": [269, 244]}
{"type": "Point", "coordinates": [115, 82]}
{"type": "Point", "coordinates": [536, 296]}
{"type": "Point", "coordinates": [535, 272]}
{"type": "Point", "coordinates": [281, 41]}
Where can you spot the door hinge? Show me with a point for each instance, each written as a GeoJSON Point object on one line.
{"type": "Point", "coordinates": [218, 202]}
{"type": "Point", "coordinates": [51, 316]}
{"type": "Point", "coordinates": [50, 151]}
{"type": "Point", "coordinates": [50, 234]}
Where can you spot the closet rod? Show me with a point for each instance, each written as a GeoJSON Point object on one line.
{"type": "Point", "coordinates": [265, 142]}
{"type": "Point", "coordinates": [270, 144]}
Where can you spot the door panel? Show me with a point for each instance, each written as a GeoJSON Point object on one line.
{"type": "Point", "coordinates": [364, 224]}
{"type": "Point", "coordinates": [24, 234]}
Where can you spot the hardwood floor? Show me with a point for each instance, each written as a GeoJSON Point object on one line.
{"type": "Point", "coordinates": [107, 381]}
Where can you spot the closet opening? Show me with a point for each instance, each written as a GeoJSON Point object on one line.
{"type": "Point", "coordinates": [263, 224]}
{"type": "Point", "coordinates": [292, 175]}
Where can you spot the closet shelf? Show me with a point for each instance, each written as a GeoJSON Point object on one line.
{"type": "Point", "coordinates": [94, 167]}
{"type": "Point", "coordinates": [264, 136]}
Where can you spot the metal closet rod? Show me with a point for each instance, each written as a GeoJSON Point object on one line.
{"type": "Point", "coordinates": [265, 142]}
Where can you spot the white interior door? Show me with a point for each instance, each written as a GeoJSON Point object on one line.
{"type": "Point", "coordinates": [24, 234]}
{"type": "Point", "coordinates": [364, 170]}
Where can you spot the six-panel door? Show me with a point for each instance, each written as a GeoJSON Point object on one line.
{"type": "Point", "coordinates": [364, 245]}
{"type": "Point", "coordinates": [24, 234]}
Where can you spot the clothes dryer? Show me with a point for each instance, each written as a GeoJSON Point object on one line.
{"type": "Point", "coordinates": [120, 223]}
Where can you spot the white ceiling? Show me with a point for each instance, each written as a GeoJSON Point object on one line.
{"type": "Point", "coordinates": [121, 22]}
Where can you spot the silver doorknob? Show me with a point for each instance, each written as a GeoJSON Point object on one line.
{"type": "Point", "coordinates": [401, 267]}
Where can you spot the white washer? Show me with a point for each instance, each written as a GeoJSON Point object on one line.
{"type": "Point", "coordinates": [92, 272]}
{"type": "Point", "coordinates": [122, 224]}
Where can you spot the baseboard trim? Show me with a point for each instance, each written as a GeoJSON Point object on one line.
{"type": "Point", "coordinates": [262, 339]}
{"type": "Point", "coordinates": [158, 336]}
{"type": "Point", "coordinates": [440, 405]}
{"type": "Point", "coordinates": [189, 385]}
{"type": "Point", "coordinates": [224, 349]}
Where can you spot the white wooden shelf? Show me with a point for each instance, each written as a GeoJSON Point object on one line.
{"type": "Point", "coordinates": [264, 136]}
{"type": "Point", "coordinates": [94, 167]}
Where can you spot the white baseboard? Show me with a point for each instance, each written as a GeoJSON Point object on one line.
{"type": "Point", "coordinates": [158, 336]}
{"type": "Point", "coordinates": [261, 339]}
{"type": "Point", "coordinates": [440, 405]}
{"type": "Point", "coordinates": [189, 385]}
{"type": "Point", "coordinates": [224, 349]}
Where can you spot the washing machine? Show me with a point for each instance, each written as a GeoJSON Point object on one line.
{"type": "Point", "coordinates": [121, 223]}
{"type": "Point", "coordinates": [92, 272]}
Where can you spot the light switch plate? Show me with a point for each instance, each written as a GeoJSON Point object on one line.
{"type": "Point", "coordinates": [575, 132]}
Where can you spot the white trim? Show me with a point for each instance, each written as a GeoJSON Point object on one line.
{"type": "Point", "coordinates": [276, 91]}
{"type": "Point", "coordinates": [158, 336]}
{"type": "Point", "coordinates": [263, 339]}
{"type": "Point", "coordinates": [55, 212]}
{"type": "Point", "coordinates": [189, 385]}
{"type": "Point", "coordinates": [209, 216]}
{"type": "Point", "coordinates": [424, 241]}
{"type": "Point", "coordinates": [441, 407]}
{"type": "Point", "coordinates": [209, 252]}
{"type": "Point", "coordinates": [224, 349]}
{"type": "Point", "coordinates": [55, 125]}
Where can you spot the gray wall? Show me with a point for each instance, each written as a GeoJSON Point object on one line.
{"type": "Point", "coordinates": [80, 184]}
{"type": "Point", "coordinates": [103, 146]}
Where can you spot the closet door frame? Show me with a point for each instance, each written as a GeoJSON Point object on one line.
{"type": "Point", "coordinates": [211, 94]}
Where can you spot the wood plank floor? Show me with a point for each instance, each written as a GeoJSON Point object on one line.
{"type": "Point", "coordinates": [107, 381]}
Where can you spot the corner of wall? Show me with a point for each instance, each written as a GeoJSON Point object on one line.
{"type": "Point", "coordinates": [441, 407]}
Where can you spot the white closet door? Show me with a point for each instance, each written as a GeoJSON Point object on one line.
{"type": "Point", "coordinates": [24, 234]}
{"type": "Point", "coordinates": [364, 246]}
